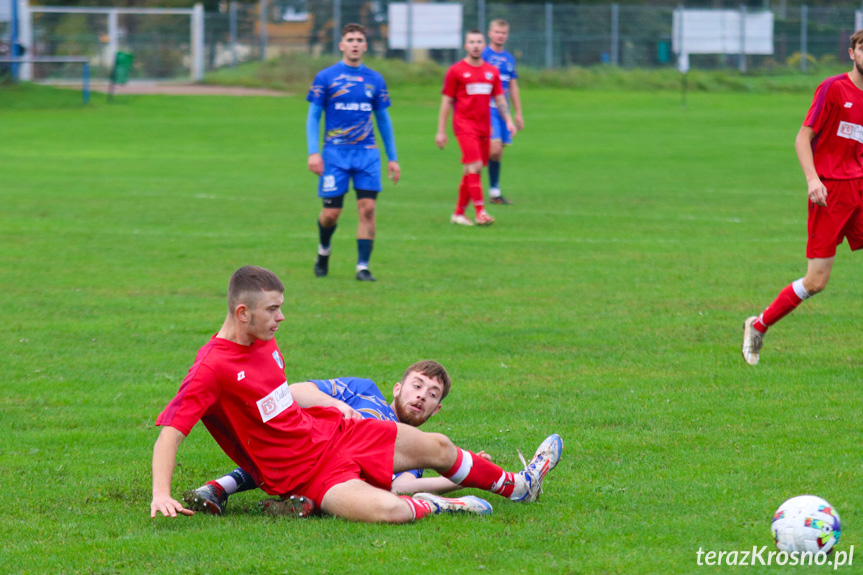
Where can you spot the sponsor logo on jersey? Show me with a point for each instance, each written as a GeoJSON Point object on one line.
{"type": "Point", "coordinates": [466, 74]}
{"type": "Point", "coordinates": [370, 91]}
{"type": "Point", "coordinates": [505, 77]}
{"type": "Point", "coordinates": [354, 106]}
{"type": "Point", "coordinates": [848, 104]}
{"type": "Point", "coordinates": [241, 376]}
{"type": "Point", "coordinates": [278, 359]}
{"type": "Point", "coordinates": [850, 131]}
{"type": "Point", "coordinates": [275, 402]}
{"type": "Point", "coordinates": [475, 88]}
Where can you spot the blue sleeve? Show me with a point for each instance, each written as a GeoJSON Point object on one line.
{"type": "Point", "coordinates": [418, 473]}
{"type": "Point", "coordinates": [313, 128]}
{"type": "Point", "coordinates": [385, 125]}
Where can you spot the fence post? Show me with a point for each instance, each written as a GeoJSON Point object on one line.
{"type": "Point", "coordinates": [804, 24]}
{"type": "Point", "coordinates": [262, 23]}
{"type": "Point", "coordinates": [337, 25]}
{"type": "Point", "coordinates": [232, 32]}
{"type": "Point", "coordinates": [615, 33]}
{"type": "Point", "coordinates": [198, 42]}
{"type": "Point", "coordinates": [742, 63]}
{"type": "Point", "coordinates": [409, 49]}
{"type": "Point", "coordinates": [549, 33]}
{"type": "Point", "coordinates": [25, 34]}
{"type": "Point", "coordinates": [114, 36]}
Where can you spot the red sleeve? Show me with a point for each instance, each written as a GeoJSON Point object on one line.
{"type": "Point", "coordinates": [450, 83]}
{"type": "Point", "coordinates": [198, 392]}
{"type": "Point", "coordinates": [819, 112]}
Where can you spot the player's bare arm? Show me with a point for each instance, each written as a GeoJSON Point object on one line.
{"type": "Point", "coordinates": [407, 484]}
{"type": "Point", "coordinates": [503, 109]}
{"type": "Point", "coordinates": [164, 460]}
{"type": "Point", "coordinates": [445, 110]}
{"type": "Point", "coordinates": [316, 164]}
{"type": "Point", "coordinates": [307, 394]}
{"type": "Point", "coordinates": [803, 145]}
{"type": "Point", "coordinates": [515, 96]}
{"type": "Point", "coordinates": [394, 171]}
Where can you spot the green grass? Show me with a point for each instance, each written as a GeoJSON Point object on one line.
{"type": "Point", "coordinates": [605, 305]}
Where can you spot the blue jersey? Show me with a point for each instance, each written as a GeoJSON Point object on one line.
{"type": "Point", "coordinates": [364, 396]}
{"type": "Point", "coordinates": [505, 64]}
{"type": "Point", "coordinates": [348, 96]}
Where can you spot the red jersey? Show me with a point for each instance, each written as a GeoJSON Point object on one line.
{"type": "Point", "coordinates": [472, 88]}
{"type": "Point", "coordinates": [241, 394]}
{"type": "Point", "coordinates": [836, 116]}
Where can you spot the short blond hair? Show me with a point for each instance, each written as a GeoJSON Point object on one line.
{"type": "Point", "coordinates": [499, 22]}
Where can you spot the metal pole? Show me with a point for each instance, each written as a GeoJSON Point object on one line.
{"type": "Point", "coordinates": [615, 34]}
{"type": "Point", "coordinates": [549, 48]}
{"type": "Point", "coordinates": [742, 61]}
{"type": "Point", "coordinates": [337, 25]}
{"type": "Point", "coordinates": [198, 39]}
{"type": "Point", "coordinates": [25, 38]}
{"type": "Point", "coordinates": [409, 52]}
{"type": "Point", "coordinates": [114, 36]}
{"type": "Point", "coordinates": [804, 40]}
{"type": "Point", "coordinates": [232, 31]}
{"type": "Point", "coordinates": [480, 17]}
{"type": "Point", "coordinates": [86, 79]}
{"type": "Point", "coordinates": [262, 23]}
{"type": "Point", "coordinates": [13, 38]}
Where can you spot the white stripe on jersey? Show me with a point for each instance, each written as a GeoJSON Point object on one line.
{"type": "Point", "coordinates": [478, 88]}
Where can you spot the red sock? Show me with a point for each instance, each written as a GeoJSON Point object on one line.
{"type": "Point", "coordinates": [463, 197]}
{"type": "Point", "coordinates": [474, 188]}
{"type": "Point", "coordinates": [420, 508]}
{"type": "Point", "coordinates": [786, 302]}
{"type": "Point", "coordinates": [471, 470]}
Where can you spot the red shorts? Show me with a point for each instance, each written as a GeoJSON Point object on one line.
{"type": "Point", "coordinates": [364, 450]}
{"type": "Point", "coordinates": [842, 218]}
{"type": "Point", "coordinates": [474, 148]}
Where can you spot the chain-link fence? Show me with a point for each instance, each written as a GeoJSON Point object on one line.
{"type": "Point", "coordinates": [541, 35]}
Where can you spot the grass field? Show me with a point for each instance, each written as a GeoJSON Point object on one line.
{"type": "Point", "coordinates": [605, 305]}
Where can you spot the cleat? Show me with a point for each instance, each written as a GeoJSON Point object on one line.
{"type": "Point", "coordinates": [322, 266]}
{"type": "Point", "coordinates": [365, 275]}
{"type": "Point", "coordinates": [544, 460]}
{"type": "Point", "coordinates": [206, 499]}
{"type": "Point", "coordinates": [293, 506]}
{"type": "Point", "coordinates": [483, 219]}
{"type": "Point", "coordinates": [752, 341]}
{"type": "Point", "coordinates": [460, 219]}
{"type": "Point", "coordinates": [467, 504]}
{"type": "Point", "coordinates": [500, 200]}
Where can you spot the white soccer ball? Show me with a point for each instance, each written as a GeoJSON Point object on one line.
{"type": "Point", "coordinates": [806, 523]}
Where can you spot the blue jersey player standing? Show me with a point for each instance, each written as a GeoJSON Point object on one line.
{"type": "Point", "coordinates": [348, 93]}
{"type": "Point", "coordinates": [494, 54]}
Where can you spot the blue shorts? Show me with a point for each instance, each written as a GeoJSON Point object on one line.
{"type": "Point", "coordinates": [345, 163]}
{"type": "Point", "coordinates": [498, 128]}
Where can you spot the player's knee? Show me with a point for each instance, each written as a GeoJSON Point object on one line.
{"type": "Point", "coordinates": [395, 510]}
{"type": "Point", "coordinates": [817, 285]}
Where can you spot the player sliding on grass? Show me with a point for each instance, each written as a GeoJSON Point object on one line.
{"type": "Point", "coordinates": [830, 150]}
{"type": "Point", "coordinates": [237, 387]}
{"type": "Point", "coordinates": [469, 87]}
{"type": "Point", "coordinates": [416, 398]}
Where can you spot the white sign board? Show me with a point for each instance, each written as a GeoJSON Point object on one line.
{"type": "Point", "coordinates": [858, 19]}
{"type": "Point", "coordinates": [6, 10]}
{"type": "Point", "coordinates": [434, 26]}
{"type": "Point", "coordinates": [722, 32]}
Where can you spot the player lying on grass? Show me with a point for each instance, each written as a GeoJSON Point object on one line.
{"type": "Point", "coordinates": [416, 398]}
{"type": "Point", "coordinates": [237, 387]}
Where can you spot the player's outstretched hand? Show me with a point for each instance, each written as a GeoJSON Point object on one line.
{"type": "Point", "coordinates": [394, 171]}
{"type": "Point", "coordinates": [348, 412]}
{"type": "Point", "coordinates": [485, 456]}
{"type": "Point", "coordinates": [817, 192]}
{"type": "Point", "coordinates": [316, 164]}
{"type": "Point", "coordinates": [441, 140]}
{"type": "Point", "coordinates": [168, 507]}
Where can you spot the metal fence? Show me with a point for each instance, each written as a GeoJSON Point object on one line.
{"type": "Point", "coordinates": [541, 36]}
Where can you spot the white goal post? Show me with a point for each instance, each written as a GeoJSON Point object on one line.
{"type": "Point", "coordinates": [196, 29]}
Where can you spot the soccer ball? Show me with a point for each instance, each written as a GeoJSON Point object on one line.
{"type": "Point", "coordinates": [806, 523]}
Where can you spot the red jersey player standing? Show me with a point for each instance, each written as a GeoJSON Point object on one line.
{"type": "Point", "coordinates": [830, 150]}
{"type": "Point", "coordinates": [468, 88]}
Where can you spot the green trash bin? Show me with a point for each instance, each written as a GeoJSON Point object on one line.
{"type": "Point", "coordinates": [121, 71]}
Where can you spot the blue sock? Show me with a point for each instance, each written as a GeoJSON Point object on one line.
{"type": "Point", "coordinates": [325, 234]}
{"type": "Point", "coordinates": [493, 174]}
{"type": "Point", "coordinates": [243, 479]}
{"type": "Point", "coordinates": [364, 252]}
